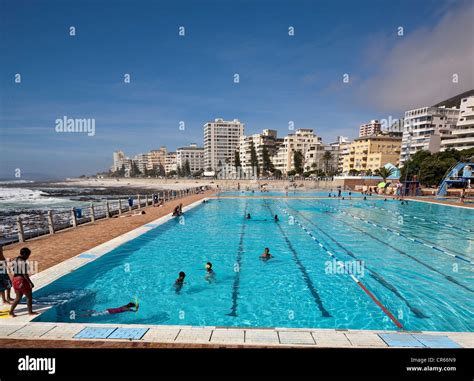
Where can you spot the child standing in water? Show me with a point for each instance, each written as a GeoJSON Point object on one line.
{"type": "Point", "coordinates": [210, 274]}
{"type": "Point", "coordinates": [178, 284]}
{"type": "Point", "coordinates": [5, 282]}
{"type": "Point", "coordinates": [266, 254]}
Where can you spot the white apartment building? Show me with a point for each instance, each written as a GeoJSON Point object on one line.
{"type": "Point", "coordinates": [318, 159]}
{"type": "Point", "coordinates": [368, 129]}
{"type": "Point", "coordinates": [171, 163]}
{"type": "Point", "coordinates": [118, 156]}
{"type": "Point", "coordinates": [221, 141]}
{"type": "Point", "coordinates": [344, 150]}
{"type": "Point", "coordinates": [302, 140]}
{"type": "Point", "coordinates": [266, 140]}
{"type": "Point", "coordinates": [156, 158]}
{"type": "Point", "coordinates": [462, 134]}
{"type": "Point", "coordinates": [193, 154]}
{"type": "Point", "coordinates": [126, 164]}
{"type": "Point", "coordinates": [141, 160]}
{"type": "Point", "coordinates": [424, 128]}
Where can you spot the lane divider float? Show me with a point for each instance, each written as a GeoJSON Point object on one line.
{"type": "Point", "coordinates": [342, 265]}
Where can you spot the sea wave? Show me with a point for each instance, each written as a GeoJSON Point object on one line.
{"type": "Point", "coordinates": [27, 198]}
{"type": "Point", "coordinates": [7, 182]}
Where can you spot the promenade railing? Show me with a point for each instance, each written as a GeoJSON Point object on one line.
{"type": "Point", "coordinates": [29, 226]}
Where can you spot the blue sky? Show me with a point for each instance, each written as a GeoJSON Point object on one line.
{"type": "Point", "coordinates": [190, 78]}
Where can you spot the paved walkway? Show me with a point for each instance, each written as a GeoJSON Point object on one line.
{"type": "Point", "coordinates": [453, 202]}
{"type": "Point", "coordinates": [50, 250]}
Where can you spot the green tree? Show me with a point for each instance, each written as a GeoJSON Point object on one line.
{"type": "Point", "coordinates": [160, 170]}
{"type": "Point", "coordinates": [298, 161]}
{"type": "Point", "coordinates": [327, 157]}
{"type": "Point", "coordinates": [434, 168]}
{"type": "Point", "coordinates": [467, 154]}
{"type": "Point", "coordinates": [134, 171]}
{"type": "Point", "coordinates": [121, 171]}
{"type": "Point", "coordinates": [237, 163]}
{"type": "Point", "coordinates": [353, 172]}
{"type": "Point", "coordinates": [266, 161]}
{"type": "Point", "coordinates": [412, 166]}
{"type": "Point", "coordinates": [254, 159]}
{"type": "Point", "coordinates": [187, 168]}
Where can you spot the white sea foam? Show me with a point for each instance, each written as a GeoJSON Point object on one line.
{"type": "Point", "coordinates": [15, 198]}
{"type": "Point", "coordinates": [16, 182]}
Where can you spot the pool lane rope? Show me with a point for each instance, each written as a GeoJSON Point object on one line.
{"type": "Point", "coordinates": [447, 277]}
{"type": "Point", "coordinates": [342, 265]}
{"type": "Point", "coordinates": [419, 314]}
{"type": "Point", "coordinates": [240, 251]}
{"type": "Point", "coordinates": [421, 219]}
{"type": "Point", "coordinates": [306, 278]}
{"type": "Point", "coordinates": [416, 240]}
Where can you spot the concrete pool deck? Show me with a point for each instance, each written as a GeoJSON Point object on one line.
{"type": "Point", "coordinates": [22, 332]}
{"type": "Point", "coordinates": [39, 335]}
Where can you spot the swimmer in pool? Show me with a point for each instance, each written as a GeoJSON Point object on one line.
{"type": "Point", "coordinates": [276, 219]}
{"type": "Point", "coordinates": [178, 284]}
{"type": "Point", "coordinates": [248, 216]}
{"type": "Point", "coordinates": [130, 307]}
{"type": "Point", "coordinates": [266, 255]}
{"type": "Point", "coordinates": [210, 274]}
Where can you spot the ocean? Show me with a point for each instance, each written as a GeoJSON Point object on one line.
{"type": "Point", "coordinates": [31, 200]}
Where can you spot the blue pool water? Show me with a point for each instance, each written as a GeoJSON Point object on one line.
{"type": "Point", "coordinates": [425, 288]}
{"type": "Point", "coordinates": [291, 193]}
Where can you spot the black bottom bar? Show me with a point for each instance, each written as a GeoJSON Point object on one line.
{"type": "Point", "coordinates": [321, 364]}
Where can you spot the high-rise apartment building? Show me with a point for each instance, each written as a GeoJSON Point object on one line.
{"type": "Point", "coordinates": [266, 141]}
{"type": "Point", "coordinates": [368, 129]}
{"type": "Point", "coordinates": [118, 157]}
{"type": "Point", "coordinates": [462, 134]}
{"type": "Point", "coordinates": [171, 163]}
{"type": "Point", "coordinates": [221, 141]}
{"type": "Point", "coordinates": [156, 159]}
{"type": "Point", "coordinates": [425, 128]}
{"type": "Point", "coordinates": [302, 140]}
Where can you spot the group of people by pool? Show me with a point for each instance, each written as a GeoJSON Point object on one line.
{"type": "Point", "coordinates": [20, 281]}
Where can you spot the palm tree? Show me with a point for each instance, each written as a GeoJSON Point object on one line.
{"type": "Point", "coordinates": [384, 173]}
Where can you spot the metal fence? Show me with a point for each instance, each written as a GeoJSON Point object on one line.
{"type": "Point", "coordinates": [52, 221]}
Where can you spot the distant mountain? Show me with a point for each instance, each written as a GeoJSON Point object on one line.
{"type": "Point", "coordinates": [455, 101]}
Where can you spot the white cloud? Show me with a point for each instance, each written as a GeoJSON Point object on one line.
{"type": "Point", "coordinates": [418, 70]}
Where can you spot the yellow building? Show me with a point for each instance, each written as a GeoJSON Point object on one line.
{"type": "Point", "coordinates": [372, 152]}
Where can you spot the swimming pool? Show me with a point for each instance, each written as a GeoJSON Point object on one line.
{"type": "Point", "coordinates": [410, 269]}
